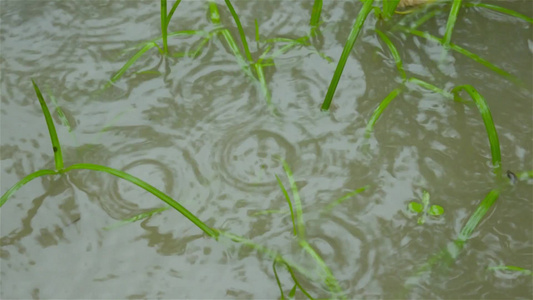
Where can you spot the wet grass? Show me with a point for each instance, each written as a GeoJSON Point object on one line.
{"type": "Point", "coordinates": [255, 69]}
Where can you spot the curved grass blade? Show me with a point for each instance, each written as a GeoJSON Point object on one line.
{"type": "Point", "coordinates": [277, 279]}
{"type": "Point", "coordinates": [431, 87]}
{"type": "Point", "coordinates": [502, 10]}
{"type": "Point", "coordinates": [149, 188]}
{"type": "Point", "coordinates": [452, 18]}
{"type": "Point", "coordinates": [129, 63]}
{"type": "Point", "coordinates": [356, 29]}
{"type": "Point", "coordinates": [241, 30]}
{"type": "Point", "coordinates": [487, 120]}
{"type": "Point", "coordinates": [289, 202]}
{"type": "Point", "coordinates": [394, 52]}
{"type": "Point", "coordinates": [172, 10]}
{"type": "Point", "coordinates": [481, 211]}
{"type": "Point", "coordinates": [23, 181]}
{"type": "Point", "coordinates": [296, 282]}
{"type": "Point", "coordinates": [344, 198]}
{"type": "Point", "coordinates": [56, 147]}
{"type": "Point", "coordinates": [379, 110]}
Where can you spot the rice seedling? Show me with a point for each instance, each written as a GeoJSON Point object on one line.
{"type": "Point", "coordinates": [356, 29]}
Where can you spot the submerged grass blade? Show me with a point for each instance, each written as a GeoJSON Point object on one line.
{"type": "Point", "coordinates": [487, 120]}
{"type": "Point", "coordinates": [431, 87]}
{"type": "Point", "coordinates": [327, 276]}
{"type": "Point", "coordinates": [344, 198]}
{"type": "Point", "coordinates": [138, 217]}
{"type": "Point", "coordinates": [288, 201]}
{"type": "Point", "coordinates": [356, 29]}
{"type": "Point", "coordinates": [481, 211]}
{"type": "Point", "coordinates": [149, 188]}
{"type": "Point", "coordinates": [56, 147]}
{"type": "Point", "coordinates": [23, 181]}
{"type": "Point", "coordinates": [503, 10]}
{"type": "Point", "coordinates": [379, 110]}
{"type": "Point", "coordinates": [394, 52]}
{"type": "Point", "coordinates": [297, 201]}
{"type": "Point", "coordinates": [241, 30]}
{"type": "Point", "coordinates": [130, 62]}
{"type": "Point", "coordinates": [452, 18]}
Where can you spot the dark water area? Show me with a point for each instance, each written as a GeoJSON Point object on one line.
{"type": "Point", "coordinates": [201, 130]}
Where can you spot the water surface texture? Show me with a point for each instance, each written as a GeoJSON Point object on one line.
{"type": "Point", "coordinates": [201, 130]}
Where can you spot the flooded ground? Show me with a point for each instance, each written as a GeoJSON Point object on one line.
{"type": "Point", "coordinates": [200, 130]}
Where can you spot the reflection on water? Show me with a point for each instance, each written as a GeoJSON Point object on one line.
{"type": "Point", "coordinates": [199, 129]}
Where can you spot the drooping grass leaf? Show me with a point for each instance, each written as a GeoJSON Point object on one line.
{"type": "Point", "coordinates": [23, 181]}
{"type": "Point", "coordinates": [489, 124]}
{"type": "Point", "coordinates": [431, 87]}
{"type": "Point", "coordinates": [452, 18]}
{"type": "Point", "coordinates": [379, 110]}
{"type": "Point", "coordinates": [56, 147]}
{"type": "Point", "coordinates": [149, 188]}
{"type": "Point", "coordinates": [345, 197]}
{"type": "Point", "coordinates": [241, 30]}
{"type": "Point", "coordinates": [356, 29]}
{"type": "Point", "coordinates": [502, 10]}
{"type": "Point", "coordinates": [288, 202]}
{"type": "Point", "coordinates": [394, 52]}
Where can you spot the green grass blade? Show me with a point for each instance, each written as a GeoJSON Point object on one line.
{"type": "Point", "coordinates": [489, 124]}
{"type": "Point", "coordinates": [389, 6]}
{"type": "Point", "coordinates": [356, 29]}
{"type": "Point", "coordinates": [277, 279]}
{"type": "Point", "coordinates": [431, 87]}
{"type": "Point", "coordinates": [315, 13]}
{"type": "Point", "coordinates": [379, 110]}
{"type": "Point", "coordinates": [394, 52]}
{"type": "Point", "coordinates": [344, 198]}
{"type": "Point", "coordinates": [151, 189]}
{"type": "Point", "coordinates": [296, 281]}
{"type": "Point", "coordinates": [502, 10]}
{"type": "Point", "coordinates": [138, 217]}
{"type": "Point", "coordinates": [22, 182]}
{"type": "Point", "coordinates": [262, 81]}
{"type": "Point", "coordinates": [289, 202]}
{"type": "Point", "coordinates": [164, 23]}
{"type": "Point", "coordinates": [56, 147]}
{"type": "Point", "coordinates": [452, 18]}
{"type": "Point", "coordinates": [172, 10]}
{"type": "Point", "coordinates": [465, 52]}
{"type": "Point", "coordinates": [481, 211]}
{"type": "Point", "coordinates": [297, 201]}
{"type": "Point", "coordinates": [130, 62]}
{"type": "Point", "coordinates": [241, 30]}
{"type": "Point", "coordinates": [512, 269]}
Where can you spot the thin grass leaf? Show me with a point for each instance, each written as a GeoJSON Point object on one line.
{"type": "Point", "coordinates": [138, 217]}
{"type": "Point", "coordinates": [241, 30]}
{"type": "Point", "coordinates": [345, 197]}
{"type": "Point", "coordinates": [289, 202]}
{"type": "Point", "coordinates": [356, 29]}
{"type": "Point", "coordinates": [151, 189]}
{"type": "Point", "coordinates": [379, 110]}
{"type": "Point", "coordinates": [394, 52]}
{"type": "Point", "coordinates": [431, 87]}
{"type": "Point", "coordinates": [277, 279]}
{"type": "Point", "coordinates": [164, 23]}
{"type": "Point", "coordinates": [512, 269]}
{"type": "Point", "coordinates": [489, 124]}
{"type": "Point", "coordinates": [315, 13]}
{"type": "Point", "coordinates": [296, 283]}
{"type": "Point", "coordinates": [481, 211]}
{"type": "Point", "coordinates": [172, 10]}
{"type": "Point", "coordinates": [452, 18]}
{"type": "Point", "coordinates": [23, 181]}
{"type": "Point", "coordinates": [465, 52]}
{"type": "Point", "coordinates": [502, 10]}
{"type": "Point", "coordinates": [389, 6]}
{"type": "Point", "coordinates": [56, 147]}
{"type": "Point", "coordinates": [129, 63]}
{"type": "Point", "coordinates": [297, 201]}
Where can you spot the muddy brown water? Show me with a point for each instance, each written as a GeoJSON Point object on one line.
{"type": "Point", "coordinates": [200, 130]}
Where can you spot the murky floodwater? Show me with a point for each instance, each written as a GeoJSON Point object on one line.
{"type": "Point", "coordinates": [200, 130]}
